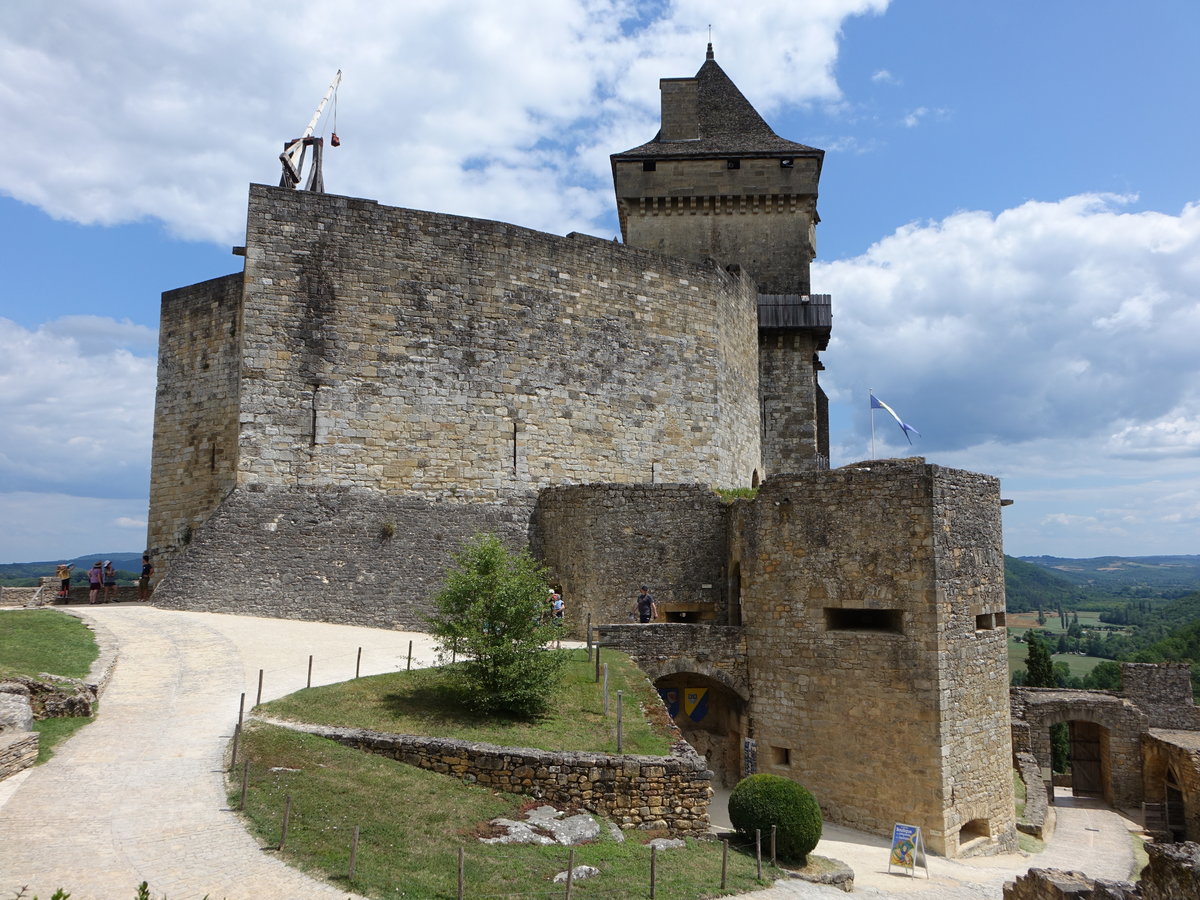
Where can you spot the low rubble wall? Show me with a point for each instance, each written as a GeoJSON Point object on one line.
{"type": "Point", "coordinates": [668, 792]}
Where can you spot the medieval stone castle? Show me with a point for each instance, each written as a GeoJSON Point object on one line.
{"type": "Point", "coordinates": [379, 384]}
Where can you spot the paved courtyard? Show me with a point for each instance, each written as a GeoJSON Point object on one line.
{"type": "Point", "coordinates": [138, 795]}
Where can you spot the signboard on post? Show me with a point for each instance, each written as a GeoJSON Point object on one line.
{"type": "Point", "coordinates": [908, 849]}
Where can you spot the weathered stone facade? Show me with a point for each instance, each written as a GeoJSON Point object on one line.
{"type": "Point", "coordinates": [397, 354]}
{"type": "Point", "coordinates": [873, 602]}
{"type": "Point", "coordinates": [603, 540]}
{"type": "Point", "coordinates": [633, 791]}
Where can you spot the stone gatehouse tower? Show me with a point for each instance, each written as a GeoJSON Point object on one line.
{"type": "Point", "coordinates": [379, 384]}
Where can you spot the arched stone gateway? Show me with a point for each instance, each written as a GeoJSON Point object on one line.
{"type": "Point", "coordinates": [1105, 734]}
{"type": "Point", "coordinates": [712, 718]}
{"type": "Point", "coordinates": [1137, 745]}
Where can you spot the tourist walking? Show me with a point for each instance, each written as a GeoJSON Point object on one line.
{"type": "Point", "coordinates": [647, 609]}
{"type": "Point", "coordinates": [95, 582]}
{"type": "Point", "coordinates": [557, 610]}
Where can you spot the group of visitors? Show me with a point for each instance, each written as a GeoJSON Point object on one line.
{"type": "Point", "coordinates": [102, 581]}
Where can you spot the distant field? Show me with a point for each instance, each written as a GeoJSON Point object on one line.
{"type": "Point", "coordinates": [1019, 622]}
{"type": "Point", "coordinates": [1079, 665]}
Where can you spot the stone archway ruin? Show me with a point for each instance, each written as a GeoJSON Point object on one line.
{"type": "Point", "coordinates": [712, 718]}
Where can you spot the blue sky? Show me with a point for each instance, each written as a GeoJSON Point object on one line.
{"type": "Point", "coordinates": [1010, 214]}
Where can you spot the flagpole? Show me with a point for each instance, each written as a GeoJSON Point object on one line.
{"type": "Point", "coordinates": [870, 392]}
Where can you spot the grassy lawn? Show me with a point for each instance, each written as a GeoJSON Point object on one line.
{"type": "Point", "coordinates": [412, 824]}
{"type": "Point", "coordinates": [416, 703]}
{"type": "Point", "coordinates": [42, 640]}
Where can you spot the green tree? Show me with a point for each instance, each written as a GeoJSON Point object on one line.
{"type": "Point", "coordinates": [490, 615]}
{"type": "Point", "coordinates": [1039, 669]}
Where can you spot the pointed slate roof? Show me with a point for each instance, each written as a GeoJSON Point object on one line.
{"type": "Point", "coordinates": [728, 125]}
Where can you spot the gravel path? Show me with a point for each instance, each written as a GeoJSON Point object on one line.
{"type": "Point", "coordinates": [138, 794]}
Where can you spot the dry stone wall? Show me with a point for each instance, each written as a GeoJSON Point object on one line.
{"type": "Point", "coordinates": [648, 792]}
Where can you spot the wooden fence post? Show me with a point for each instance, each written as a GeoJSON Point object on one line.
{"type": "Point", "coordinates": [353, 853]}
{"type": "Point", "coordinates": [653, 871]}
{"type": "Point", "coordinates": [287, 814]}
{"type": "Point", "coordinates": [620, 695]}
{"type": "Point", "coordinates": [462, 872]}
{"type": "Point", "coordinates": [259, 700]}
{"type": "Point", "coordinates": [309, 671]}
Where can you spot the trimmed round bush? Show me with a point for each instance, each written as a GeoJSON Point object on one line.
{"type": "Point", "coordinates": [761, 801]}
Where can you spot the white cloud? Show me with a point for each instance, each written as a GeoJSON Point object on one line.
{"type": "Point", "coordinates": [883, 76]}
{"type": "Point", "coordinates": [78, 406]}
{"type": "Point", "coordinates": [1051, 341]}
{"type": "Point", "coordinates": [36, 527]}
{"type": "Point", "coordinates": [129, 109]}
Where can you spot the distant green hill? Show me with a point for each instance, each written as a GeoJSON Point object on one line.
{"type": "Point", "coordinates": [1028, 587]}
{"type": "Point", "coordinates": [128, 566]}
{"type": "Point", "coordinates": [1127, 576]}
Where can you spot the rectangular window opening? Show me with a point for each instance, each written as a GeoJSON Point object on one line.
{"type": "Point", "coordinates": [985, 622]}
{"type": "Point", "coordinates": [786, 163]}
{"type": "Point", "coordinates": [781, 756]}
{"type": "Point", "coordinates": [733, 163]}
{"type": "Point", "coordinates": [649, 165]}
{"type": "Point", "coordinates": [890, 621]}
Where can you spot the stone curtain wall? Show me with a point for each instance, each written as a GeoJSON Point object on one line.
{"type": "Point", "coordinates": [324, 555]}
{"type": "Point", "coordinates": [650, 792]}
{"type": "Point", "coordinates": [601, 541]}
{"type": "Point", "coordinates": [1163, 691]}
{"type": "Point", "coordinates": [715, 651]}
{"type": "Point", "coordinates": [196, 412]}
{"type": "Point", "coordinates": [1173, 873]}
{"type": "Point", "coordinates": [398, 350]}
{"type": "Point", "coordinates": [859, 609]}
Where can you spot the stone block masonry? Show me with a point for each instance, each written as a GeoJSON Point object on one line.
{"type": "Point", "coordinates": [354, 557]}
{"type": "Point", "coordinates": [873, 603]}
{"type": "Point", "coordinates": [398, 350]}
{"type": "Point", "coordinates": [195, 415]}
{"type": "Point", "coordinates": [376, 364]}
{"type": "Point", "coordinates": [601, 541]}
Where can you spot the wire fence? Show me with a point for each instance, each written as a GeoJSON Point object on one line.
{"type": "Point", "coordinates": [553, 876]}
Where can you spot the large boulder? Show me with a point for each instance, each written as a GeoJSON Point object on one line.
{"type": "Point", "coordinates": [16, 713]}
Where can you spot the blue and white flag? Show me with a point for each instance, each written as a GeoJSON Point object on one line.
{"type": "Point", "coordinates": [876, 403]}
